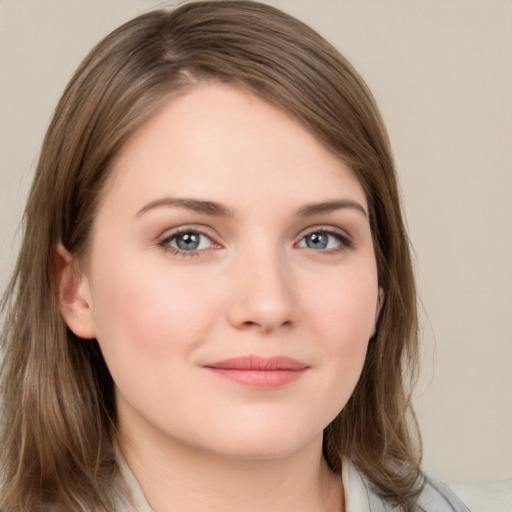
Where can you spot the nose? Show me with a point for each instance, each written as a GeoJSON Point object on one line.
{"type": "Point", "coordinates": [263, 298]}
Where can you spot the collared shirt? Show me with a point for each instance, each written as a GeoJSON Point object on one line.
{"type": "Point", "coordinates": [360, 494]}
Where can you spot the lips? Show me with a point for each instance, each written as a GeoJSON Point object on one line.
{"type": "Point", "coordinates": [257, 371]}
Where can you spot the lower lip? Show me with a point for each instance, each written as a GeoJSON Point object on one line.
{"type": "Point", "coordinates": [260, 378]}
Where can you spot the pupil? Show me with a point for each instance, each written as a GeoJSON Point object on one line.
{"type": "Point", "coordinates": [317, 241]}
{"type": "Point", "coordinates": [188, 241]}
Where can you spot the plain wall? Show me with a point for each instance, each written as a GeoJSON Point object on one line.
{"type": "Point", "coordinates": [441, 71]}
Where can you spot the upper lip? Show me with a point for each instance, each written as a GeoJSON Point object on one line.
{"type": "Point", "coordinates": [253, 362]}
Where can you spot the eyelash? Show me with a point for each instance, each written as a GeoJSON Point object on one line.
{"type": "Point", "coordinates": [164, 243]}
{"type": "Point", "coordinates": [343, 239]}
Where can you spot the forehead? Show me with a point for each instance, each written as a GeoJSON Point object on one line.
{"type": "Point", "coordinates": [224, 141]}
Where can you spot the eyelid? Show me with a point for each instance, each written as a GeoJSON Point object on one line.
{"type": "Point", "coordinates": [327, 228]}
{"type": "Point", "coordinates": [164, 239]}
{"type": "Point", "coordinates": [344, 237]}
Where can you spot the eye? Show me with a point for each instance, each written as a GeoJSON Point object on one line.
{"type": "Point", "coordinates": [187, 241]}
{"type": "Point", "coordinates": [325, 240]}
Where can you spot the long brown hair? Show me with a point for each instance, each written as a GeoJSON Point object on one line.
{"type": "Point", "coordinates": [58, 425]}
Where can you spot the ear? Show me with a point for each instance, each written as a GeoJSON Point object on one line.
{"type": "Point", "coordinates": [74, 294]}
{"type": "Point", "coordinates": [378, 309]}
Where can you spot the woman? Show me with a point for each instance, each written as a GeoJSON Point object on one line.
{"type": "Point", "coordinates": [213, 307]}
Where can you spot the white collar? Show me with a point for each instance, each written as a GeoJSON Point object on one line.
{"type": "Point", "coordinates": [138, 500]}
{"type": "Point", "coordinates": [356, 493]}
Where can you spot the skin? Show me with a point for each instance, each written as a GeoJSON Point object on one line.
{"type": "Point", "coordinates": [256, 285]}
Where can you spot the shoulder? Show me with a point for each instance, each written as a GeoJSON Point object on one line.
{"type": "Point", "coordinates": [361, 495]}
{"type": "Point", "coordinates": [435, 496]}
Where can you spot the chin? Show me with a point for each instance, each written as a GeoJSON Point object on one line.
{"type": "Point", "coordinates": [259, 441]}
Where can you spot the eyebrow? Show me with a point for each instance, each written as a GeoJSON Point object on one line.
{"type": "Point", "coordinates": [195, 205]}
{"type": "Point", "coordinates": [331, 206]}
{"type": "Point", "coordinates": [220, 210]}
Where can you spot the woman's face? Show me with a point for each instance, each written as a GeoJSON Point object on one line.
{"type": "Point", "coordinates": [231, 284]}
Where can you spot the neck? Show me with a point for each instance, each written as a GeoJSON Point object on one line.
{"type": "Point", "coordinates": [192, 480]}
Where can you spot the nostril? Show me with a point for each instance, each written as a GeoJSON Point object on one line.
{"type": "Point", "coordinates": [264, 326]}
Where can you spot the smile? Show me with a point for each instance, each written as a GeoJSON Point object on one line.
{"type": "Point", "coordinates": [262, 372]}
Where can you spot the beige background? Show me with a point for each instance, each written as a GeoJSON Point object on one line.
{"type": "Point", "coordinates": [441, 71]}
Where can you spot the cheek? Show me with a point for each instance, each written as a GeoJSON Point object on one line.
{"type": "Point", "coordinates": [149, 322]}
{"type": "Point", "coordinates": [148, 312]}
{"type": "Point", "coordinates": [345, 307]}
{"type": "Point", "coordinates": [344, 318]}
